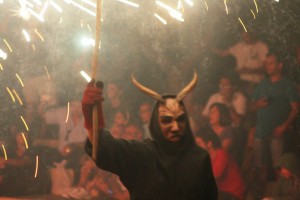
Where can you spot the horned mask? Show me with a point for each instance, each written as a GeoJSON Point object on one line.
{"type": "Point", "coordinates": [171, 104]}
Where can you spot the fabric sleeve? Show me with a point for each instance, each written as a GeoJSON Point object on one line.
{"type": "Point", "coordinates": [118, 156]}
{"type": "Point", "coordinates": [212, 189]}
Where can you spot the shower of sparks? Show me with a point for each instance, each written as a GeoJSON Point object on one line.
{"type": "Point", "coordinates": [1, 66]}
{"type": "Point", "coordinates": [226, 8]}
{"type": "Point", "coordinates": [8, 46]}
{"type": "Point", "coordinates": [168, 8]}
{"type": "Point", "coordinates": [37, 2]}
{"type": "Point", "coordinates": [256, 6]}
{"type": "Point", "coordinates": [20, 80]}
{"type": "Point", "coordinates": [24, 122]}
{"type": "Point", "coordinates": [176, 16]}
{"type": "Point", "coordinates": [11, 95]}
{"type": "Point", "coordinates": [243, 24]}
{"type": "Point", "coordinates": [26, 35]}
{"type": "Point", "coordinates": [39, 35]}
{"type": "Point", "coordinates": [206, 5]}
{"type": "Point", "coordinates": [162, 20]}
{"type": "Point", "coordinates": [3, 54]}
{"type": "Point", "coordinates": [25, 140]}
{"type": "Point", "coordinates": [44, 8]}
{"type": "Point", "coordinates": [68, 112]}
{"type": "Point", "coordinates": [33, 13]}
{"type": "Point", "coordinates": [85, 76]}
{"type": "Point", "coordinates": [189, 2]}
{"type": "Point", "coordinates": [90, 3]}
{"type": "Point", "coordinates": [253, 14]}
{"type": "Point", "coordinates": [48, 75]}
{"type": "Point", "coordinates": [18, 97]}
{"type": "Point", "coordinates": [129, 3]}
{"type": "Point", "coordinates": [81, 7]}
{"type": "Point", "coordinates": [4, 151]}
{"type": "Point", "coordinates": [36, 166]}
{"type": "Point", "coordinates": [57, 7]}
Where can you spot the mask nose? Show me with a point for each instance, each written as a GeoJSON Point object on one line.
{"type": "Point", "coordinates": [175, 127]}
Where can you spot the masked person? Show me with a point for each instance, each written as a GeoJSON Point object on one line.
{"type": "Point", "coordinates": [168, 167]}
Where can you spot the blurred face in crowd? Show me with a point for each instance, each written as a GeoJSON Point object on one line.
{"type": "Point", "coordinates": [172, 120]}
{"type": "Point", "coordinates": [285, 172]}
{"type": "Point", "coordinates": [121, 118]}
{"type": "Point", "coordinates": [272, 66]}
{"type": "Point", "coordinates": [226, 87]}
{"type": "Point", "coordinates": [145, 112]}
{"type": "Point", "coordinates": [113, 91]}
{"type": "Point", "coordinates": [116, 131]}
{"type": "Point", "coordinates": [214, 116]}
{"type": "Point", "coordinates": [132, 132]}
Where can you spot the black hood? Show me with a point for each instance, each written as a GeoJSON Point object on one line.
{"type": "Point", "coordinates": [168, 147]}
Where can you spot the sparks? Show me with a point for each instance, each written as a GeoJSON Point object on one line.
{"type": "Point", "coordinates": [176, 16]}
{"type": "Point", "coordinates": [36, 15]}
{"type": "Point", "coordinates": [39, 35]}
{"type": "Point", "coordinates": [189, 2]}
{"type": "Point", "coordinates": [25, 33]}
{"type": "Point", "coordinates": [11, 95]}
{"type": "Point", "coordinates": [4, 151]}
{"type": "Point", "coordinates": [1, 66]}
{"type": "Point", "coordinates": [18, 97]}
{"type": "Point", "coordinates": [44, 8]}
{"type": "Point", "coordinates": [90, 3]}
{"type": "Point", "coordinates": [256, 6]}
{"type": "Point", "coordinates": [25, 124]}
{"type": "Point", "coordinates": [129, 3]}
{"type": "Point", "coordinates": [68, 112]}
{"type": "Point", "coordinates": [57, 7]}
{"type": "Point", "coordinates": [253, 14]}
{"type": "Point", "coordinates": [226, 8]}
{"type": "Point", "coordinates": [36, 166]}
{"type": "Point", "coordinates": [206, 5]}
{"type": "Point", "coordinates": [25, 140]}
{"type": "Point", "coordinates": [168, 8]}
{"type": "Point", "coordinates": [47, 72]}
{"type": "Point", "coordinates": [8, 46]}
{"type": "Point", "coordinates": [3, 54]}
{"type": "Point", "coordinates": [162, 20]}
{"type": "Point", "coordinates": [20, 80]}
{"type": "Point", "coordinates": [243, 24]}
{"type": "Point", "coordinates": [81, 7]}
{"type": "Point", "coordinates": [85, 76]}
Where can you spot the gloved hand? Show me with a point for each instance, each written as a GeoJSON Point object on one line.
{"type": "Point", "coordinates": [92, 95]}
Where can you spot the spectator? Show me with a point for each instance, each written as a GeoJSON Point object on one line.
{"type": "Point", "coordinates": [145, 115]}
{"type": "Point", "coordinates": [276, 101]}
{"type": "Point", "coordinates": [227, 95]}
{"type": "Point", "coordinates": [250, 55]}
{"type": "Point", "coordinates": [225, 169]}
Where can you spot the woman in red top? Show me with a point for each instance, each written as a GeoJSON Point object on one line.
{"type": "Point", "coordinates": [226, 171]}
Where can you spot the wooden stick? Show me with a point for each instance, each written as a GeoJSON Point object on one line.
{"type": "Point", "coordinates": [94, 73]}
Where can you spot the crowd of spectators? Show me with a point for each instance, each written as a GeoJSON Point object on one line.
{"type": "Point", "coordinates": [249, 126]}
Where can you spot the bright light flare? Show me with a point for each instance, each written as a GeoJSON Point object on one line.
{"type": "Point", "coordinates": [36, 15]}
{"type": "Point", "coordinates": [226, 8]}
{"type": "Point", "coordinates": [168, 8]}
{"type": "Point", "coordinates": [189, 2]}
{"type": "Point", "coordinates": [129, 3]}
{"type": "Point", "coordinates": [26, 35]}
{"type": "Point", "coordinates": [85, 76]}
{"type": "Point", "coordinates": [176, 16]}
{"type": "Point", "coordinates": [44, 8]}
{"type": "Point", "coordinates": [90, 3]}
{"type": "Point", "coordinates": [56, 6]}
{"type": "Point", "coordinates": [88, 42]}
{"type": "Point", "coordinates": [38, 2]}
{"type": "Point", "coordinates": [3, 55]}
{"type": "Point", "coordinates": [4, 151]}
{"type": "Point", "coordinates": [162, 20]}
{"type": "Point", "coordinates": [25, 140]}
{"type": "Point", "coordinates": [80, 7]}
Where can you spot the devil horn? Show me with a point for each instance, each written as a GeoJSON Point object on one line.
{"type": "Point", "coordinates": [187, 89]}
{"type": "Point", "coordinates": [148, 91]}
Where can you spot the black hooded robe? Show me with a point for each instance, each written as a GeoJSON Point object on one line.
{"type": "Point", "coordinates": [154, 169]}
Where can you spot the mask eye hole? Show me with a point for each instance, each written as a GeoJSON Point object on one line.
{"type": "Point", "coordinates": [181, 118]}
{"type": "Point", "coordinates": [166, 119]}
